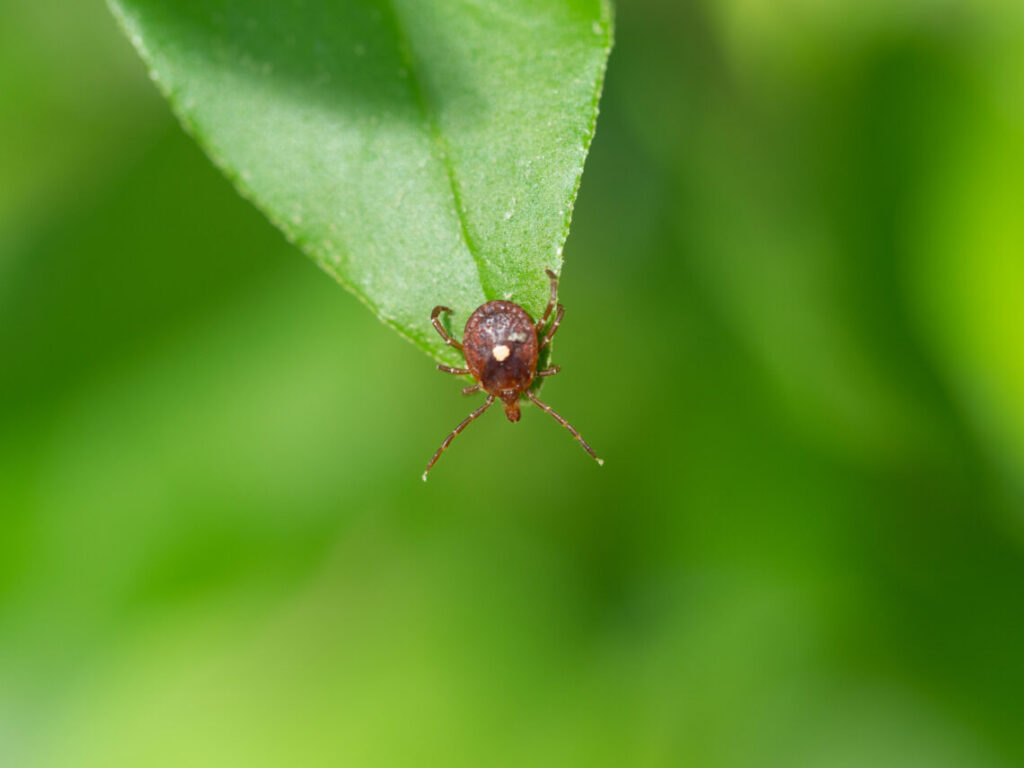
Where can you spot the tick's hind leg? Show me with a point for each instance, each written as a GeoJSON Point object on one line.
{"type": "Point", "coordinates": [547, 408]}
{"type": "Point", "coordinates": [440, 328]}
{"type": "Point", "coordinates": [448, 440]}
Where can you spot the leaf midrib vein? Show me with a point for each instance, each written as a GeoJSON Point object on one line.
{"type": "Point", "coordinates": [437, 137]}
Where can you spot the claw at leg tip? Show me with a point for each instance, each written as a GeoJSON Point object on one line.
{"type": "Point", "coordinates": [600, 463]}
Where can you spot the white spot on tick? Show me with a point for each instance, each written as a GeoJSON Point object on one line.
{"type": "Point", "coordinates": [501, 352]}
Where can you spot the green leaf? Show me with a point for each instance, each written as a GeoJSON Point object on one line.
{"type": "Point", "coordinates": [421, 151]}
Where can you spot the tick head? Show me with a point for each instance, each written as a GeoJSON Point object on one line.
{"type": "Point", "coordinates": [510, 402]}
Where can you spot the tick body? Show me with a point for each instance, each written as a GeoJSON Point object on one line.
{"type": "Point", "coordinates": [500, 345]}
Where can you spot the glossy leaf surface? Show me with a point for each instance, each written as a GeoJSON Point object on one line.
{"type": "Point", "coordinates": [422, 152]}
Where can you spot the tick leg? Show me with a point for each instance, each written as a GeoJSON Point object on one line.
{"type": "Point", "coordinates": [448, 440]}
{"type": "Point", "coordinates": [554, 327]}
{"type": "Point", "coordinates": [549, 371]}
{"type": "Point", "coordinates": [552, 300]}
{"type": "Point", "coordinates": [564, 423]}
{"type": "Point", "coordinates": [456, 371]}
{"type": "Point", "coordinates": [440, 328]}
{"type": "Point", "coordinates": [470, 389]}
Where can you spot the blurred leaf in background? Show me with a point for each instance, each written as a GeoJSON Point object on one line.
{"type": "Point", "coordinates": [794, 294]}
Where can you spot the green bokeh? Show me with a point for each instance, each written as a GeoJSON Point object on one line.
{"type": "Point", "coordinates": [795, 332]}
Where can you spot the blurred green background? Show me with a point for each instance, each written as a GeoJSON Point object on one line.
{"type": "Point", "coordinates": [795, 331]}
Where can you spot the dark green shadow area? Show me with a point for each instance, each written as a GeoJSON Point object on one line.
{"type": "Point", "coordinates": [129, 263]}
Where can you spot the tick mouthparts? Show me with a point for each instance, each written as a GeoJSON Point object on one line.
{"type": "Point", "coordinates": [512, 412]}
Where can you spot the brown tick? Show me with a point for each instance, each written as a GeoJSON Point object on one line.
{"type": "Point", "coordinates": [500, 345]}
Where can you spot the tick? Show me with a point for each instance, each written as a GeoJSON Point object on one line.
{"type": "Point", "coordinates": [500, 346]}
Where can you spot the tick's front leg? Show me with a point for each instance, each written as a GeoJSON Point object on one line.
{"type": "Point", "coordinates": [440, 328]}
